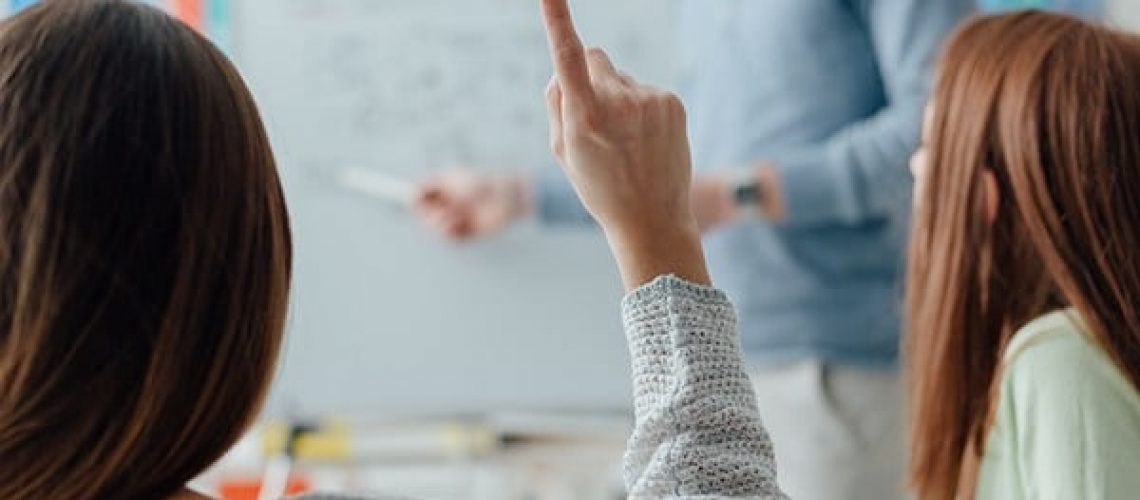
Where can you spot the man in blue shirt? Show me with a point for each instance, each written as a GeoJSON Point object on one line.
{"type": "Point", "coordinates": [802, 116]}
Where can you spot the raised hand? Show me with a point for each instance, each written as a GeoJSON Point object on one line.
{"type": "Point", "coordinates": [624, 147]}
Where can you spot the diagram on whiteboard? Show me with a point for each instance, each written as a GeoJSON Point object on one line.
{"type": "Point", "coordinates": [413, 85]}
{"type": "Point", "coordinates": [382, 93]}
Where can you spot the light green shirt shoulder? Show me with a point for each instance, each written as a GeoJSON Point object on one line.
{"type": "Point", "coordinates": [1068, 421]}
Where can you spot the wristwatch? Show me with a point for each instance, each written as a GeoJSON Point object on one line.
{"type": "Point", "coordinates": [747, 192]}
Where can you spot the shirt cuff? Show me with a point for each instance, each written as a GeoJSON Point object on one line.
{"type": "Point", "coordinates": [809, 188]}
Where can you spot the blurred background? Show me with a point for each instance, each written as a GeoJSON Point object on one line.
{"type": "Point", "coordinates": [416, 367]}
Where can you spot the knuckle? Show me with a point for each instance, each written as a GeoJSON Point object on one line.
{"type": "Point", "coordinates": [589, 119]}
{"type": "Point", "coordinates": [648, 101]}
{"type": "Point", "coordinates": [658, 96]}
{"type": "Point", "coordinates": [570, 54]}
{"type": "Point", "coordinates": [668, 102]}
{"type": "Point", "coordinates": [632, 105]}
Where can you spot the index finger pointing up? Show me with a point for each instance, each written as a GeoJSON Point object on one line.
{"type": "Point", "coordinates": [566, 50]}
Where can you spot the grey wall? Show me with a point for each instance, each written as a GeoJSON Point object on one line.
{"type": "Point", "coordinates": [386, 318]}
{"type": "Point", "coordinates": [1126, 13]}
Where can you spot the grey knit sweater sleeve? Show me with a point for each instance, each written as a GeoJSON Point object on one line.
{"type": "Point", "coordinates": [698, 431]}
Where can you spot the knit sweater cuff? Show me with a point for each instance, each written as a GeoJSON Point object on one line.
{"type": "Point", "coordinates": [698, 432]}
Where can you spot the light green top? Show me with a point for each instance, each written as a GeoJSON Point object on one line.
{"type": "Point", "coordinates": [1067, 423]}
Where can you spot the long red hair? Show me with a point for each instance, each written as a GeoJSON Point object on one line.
{"type": "Point", "coordinates": [1050, 105]}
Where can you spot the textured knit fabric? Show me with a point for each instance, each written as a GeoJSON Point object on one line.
{"type": "Point", "coordinates": [698, 432]}
{"type": "Point", "coordinates": [1068, 421]}
{"type": "Point", "coordinates": [831, 93]}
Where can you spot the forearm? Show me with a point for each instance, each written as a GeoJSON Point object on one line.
{"type": "Point", "coordinates": [644, 252]}
{"type": "Point", "coordinates": [856, 176]}
{"type": "Point", "coordinates": [698, 430]}
{"type": "Point", "coordinates": [717, 196]}
{"type": "Point", "coordinates": [859, 173]}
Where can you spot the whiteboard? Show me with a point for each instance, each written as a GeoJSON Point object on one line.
{"type": "Point", "coordinates": [388, 319]}
{"type": "Point", "coordinates": [1125, 13]}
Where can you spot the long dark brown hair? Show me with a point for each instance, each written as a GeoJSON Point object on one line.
{"type": "Point", "coordinates": [144, 253]}
{"type": "Point", "coordinates": [1050, 105]}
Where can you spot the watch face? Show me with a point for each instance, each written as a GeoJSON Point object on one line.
{"type": "Point", "coordinates": [748, 194]}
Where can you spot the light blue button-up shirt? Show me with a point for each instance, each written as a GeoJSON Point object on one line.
{"type": "Point", "coordinates": [830, 92]}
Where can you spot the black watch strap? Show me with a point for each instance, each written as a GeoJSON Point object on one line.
{"type": "Point", "coordinates": [748, 192]}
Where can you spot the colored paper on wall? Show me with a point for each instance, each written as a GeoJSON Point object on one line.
{"type": "Point", "coordinates": [190, 12]}
{"type": "Point", "coordinates": [219, 22]}
{"type": "Point", "coordinates": [17, 5]}
{"type": "Point", "coordinates": [210, 17]}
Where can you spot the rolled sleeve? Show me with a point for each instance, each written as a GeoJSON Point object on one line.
{"type": "Point", "coordinates": [860, 173]}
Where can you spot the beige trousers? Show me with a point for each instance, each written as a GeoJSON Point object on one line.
{"type": "Point", "coordinates": [838, 432]}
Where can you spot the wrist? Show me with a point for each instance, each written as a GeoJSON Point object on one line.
{"type": "Point", "coordinates": [646, 251]}
{"type": "Point", "coordinates": [521, 196]}
{"type": "Point", "coordinates": [727, 209]}
{"type": "Point", "coordinates": [713, 202]}
{"type": "Point", "coordinates": [756, 191]}
{"type": "Point", "coordinates": [772, 207]}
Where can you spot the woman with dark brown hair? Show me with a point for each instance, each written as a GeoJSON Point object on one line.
{"type": "Point", "coordinates": [144, 253]}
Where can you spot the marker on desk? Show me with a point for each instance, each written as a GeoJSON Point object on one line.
{"type": "Point", "coordinates": [275, 483]}
{"type": "Point", "coordinates": [378, 185]}
{"type": "Point", "coordinates": [341, 440]}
